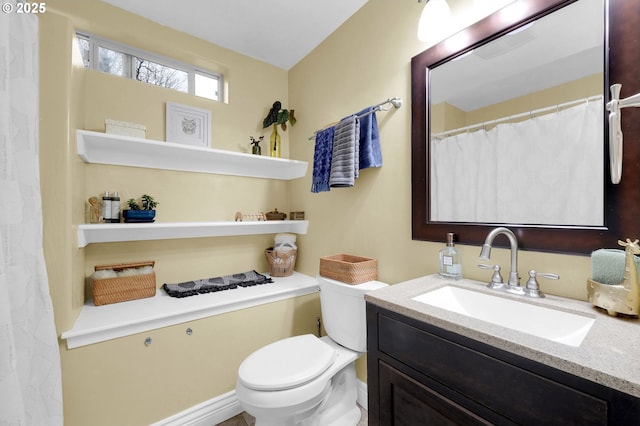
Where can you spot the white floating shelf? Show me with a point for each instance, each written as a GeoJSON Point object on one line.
{"type": "Point", "coordinates": [100, 323]}
{"type": "Point", "coordinates": [118, 232]}
{"type": "Point", "coordinates": [105, 148]}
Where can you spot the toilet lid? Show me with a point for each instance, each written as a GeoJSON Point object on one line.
{"type": "Point", "coordinates": [287, 363]}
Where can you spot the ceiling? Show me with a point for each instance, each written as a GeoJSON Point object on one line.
{"type": "Point", "coordinates": [534, 58]}
{"type": "Point", "coordinates": [278, 32]}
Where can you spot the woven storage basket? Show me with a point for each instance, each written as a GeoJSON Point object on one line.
{"type": "Point", "coordinates": [121, 289]}
{"type": "Point", "coordinates": [281, 263]}
{"type": "Point", "coordinates": [349, 269]}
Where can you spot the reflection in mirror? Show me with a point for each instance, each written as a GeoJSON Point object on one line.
{"type": "Point", "coordinates": [622, 59]}
{"type": "Point", "coordinates": [516, 125]}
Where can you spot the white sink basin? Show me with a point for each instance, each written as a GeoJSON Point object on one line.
{"type": "Point", "coordinates": [558, 326]}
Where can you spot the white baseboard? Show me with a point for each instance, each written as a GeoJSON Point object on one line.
{"type": "Point", "coordinates": [207, 413]}
{"type": "Point", "coordinates": [223, 407]}
{"type": "Point", "coordinates": [362, 394]}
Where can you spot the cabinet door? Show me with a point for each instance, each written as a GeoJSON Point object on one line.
{"type": "Point", "coordinates": [406, 402]}
{"type": "Point", "coordinates": [473, 371]}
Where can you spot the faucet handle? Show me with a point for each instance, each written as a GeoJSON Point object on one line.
{"type": "Point", "coordinates": [496, 278]}
{"type": "Point", "coordinates": [533, 288]}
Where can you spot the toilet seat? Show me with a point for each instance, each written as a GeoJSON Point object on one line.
{"type": "Point", "coordinates": [287, 363]}
{"type": "Point", "coordinates": [306, 395]}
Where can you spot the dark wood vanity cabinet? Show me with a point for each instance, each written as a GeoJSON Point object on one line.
{"type": "Point", "coordinates": [419, 374]}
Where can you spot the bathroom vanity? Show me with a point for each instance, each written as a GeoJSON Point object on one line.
{"type": "Point", "coordinates": [432, 361]}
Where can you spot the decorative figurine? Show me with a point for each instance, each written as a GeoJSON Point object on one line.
{"type": "Point", "coordinates": [256, 149]}
{"type": "Point", "coordinates": [623, 298]}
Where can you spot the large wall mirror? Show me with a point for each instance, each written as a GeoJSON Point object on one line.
{"type": "Point", "coordinates": [509, 127]}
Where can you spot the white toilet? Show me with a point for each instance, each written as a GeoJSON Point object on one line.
{"type": "Point", "coordinates": [306, 380]}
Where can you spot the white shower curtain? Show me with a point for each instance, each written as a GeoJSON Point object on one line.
{"type": "Point", "coordinates": [30, 377]}
{"type": "Point", "coordinates": [548, 169]}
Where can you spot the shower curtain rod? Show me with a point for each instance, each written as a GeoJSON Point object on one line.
{"type": "Point", "coordinates": [524, 114]}
{"type": "Point", "coordinates": [396, 102]}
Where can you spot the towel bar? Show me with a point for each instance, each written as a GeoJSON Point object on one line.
{"type": "Point", "coordinates": [396, 102]}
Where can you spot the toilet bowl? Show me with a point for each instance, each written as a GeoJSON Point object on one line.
{"type": "Point", "coordinates": [306, 380]}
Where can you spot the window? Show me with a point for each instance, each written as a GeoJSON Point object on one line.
{"type": "Point", "coordinates": [111, 61]}
{"type": "Point", "coordinates": [126, 61]}
{"type": "Point", "coordinates": [161, 75]}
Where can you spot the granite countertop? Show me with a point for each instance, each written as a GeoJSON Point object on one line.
{"type": "Point", "coordinates": [609, 354]}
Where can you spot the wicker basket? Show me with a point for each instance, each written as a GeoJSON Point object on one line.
{"type": "Point", "coordinates": [349, 269]}
{"type": "Point", "coordinates": [281, 263]}
{"type": "Point", "coordinates": [121, 289]}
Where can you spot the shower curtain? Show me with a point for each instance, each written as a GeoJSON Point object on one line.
{"type": "Point", "coordinates": [30, 377]}
{"type": "Point", "coordinates": [545, 170]}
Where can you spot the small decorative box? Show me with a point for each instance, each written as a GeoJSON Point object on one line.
{"type": "Point", "coordinates": [275, 215]}
{"type": "Point", "coordinates": [124, 128]}
{"type": "Point", "coordinates": [296, 215]}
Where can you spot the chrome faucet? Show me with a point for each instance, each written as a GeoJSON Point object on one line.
{"type": "Point", "coordinates": [514, 280]}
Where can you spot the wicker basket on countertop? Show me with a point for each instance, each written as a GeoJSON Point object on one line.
{"type": "Point", "coordinates": [121, 289]}
{"type": "Point", "coordinates": [348, 268]}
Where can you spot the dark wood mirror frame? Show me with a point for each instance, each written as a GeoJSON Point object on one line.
{"type": "Point", "coordinates": [622, 201]}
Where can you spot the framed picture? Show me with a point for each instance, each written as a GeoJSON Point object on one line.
{"type": "Point", "coordinates": [188, 125]}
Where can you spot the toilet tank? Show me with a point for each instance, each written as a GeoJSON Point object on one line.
{"type": "Point", "coordinates": [343, 311]}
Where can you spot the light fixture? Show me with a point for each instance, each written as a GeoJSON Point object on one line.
{"type": "Point", "coordinates": [434, 20]}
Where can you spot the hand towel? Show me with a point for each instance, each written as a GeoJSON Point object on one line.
{"type": "Point", "coordinates": [208, 285]}
{"type": "Point", "coordinates": [322, 160]}
{"type": "Point", "coordinates": [346, 153]}
{"type": "Point", "coordinates": [607, 266]}
{"type": "Point", "coordinates": [370, 154]}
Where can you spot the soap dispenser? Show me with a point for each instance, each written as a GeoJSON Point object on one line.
{"type": "Point", "coordinates": [450, 260]}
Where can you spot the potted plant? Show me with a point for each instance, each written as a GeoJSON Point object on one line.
{"type": "Point", "coordinates": [137, 214]}
{"type": "Point", "coordinates": [277, 117]}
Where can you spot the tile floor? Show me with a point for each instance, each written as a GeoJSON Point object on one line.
{"type": "Point", "coordinates": [244, 419]}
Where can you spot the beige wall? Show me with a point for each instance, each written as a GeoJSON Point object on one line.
{"type": "Point", "coordinates": [447, 117]}
{"type": "Point", "coordinates": [122, 381]}
{"type": "Point", "coordinates": [364, 62]}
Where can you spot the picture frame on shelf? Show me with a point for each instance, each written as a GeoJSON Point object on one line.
{"type": "Point", "coordinates": [188, 125]}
